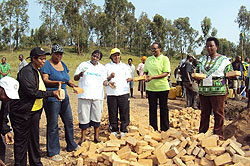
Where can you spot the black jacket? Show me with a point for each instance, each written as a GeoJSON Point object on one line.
{"type": "Point", "coordinates": [28, 92]}
{"type": "Point", "coordinates": [4, 128]}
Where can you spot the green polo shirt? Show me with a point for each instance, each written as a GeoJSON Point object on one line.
{"type": "Point", "coordinates": [156, 66]}
{"type": "Point", "coordinates": [4, 69]}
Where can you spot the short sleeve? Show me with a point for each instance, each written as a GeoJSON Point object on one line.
{"type": "Point", "coordinates": [45, 69]}
{"type": "Point", "coordinates": [79, 69]}
{"type": "Point", "coordinates": [166, 65]}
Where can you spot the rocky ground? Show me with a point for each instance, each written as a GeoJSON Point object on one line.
{"type": "Point", "coordinates": [237, 125]}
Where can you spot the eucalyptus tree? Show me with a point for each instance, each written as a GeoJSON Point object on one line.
{"type": "Point", "coordinates": [243, 20]}
{"type": "Point", "coordinates": [207, 30]}
{"type": "Point", "coordinates": [187, 38]}
{"type": "Point", "coordinates": [115, 11]}
{"type": "Point", "coordinates": [142, 35]}
{"type": "Point", "coordinates": [158, 29]}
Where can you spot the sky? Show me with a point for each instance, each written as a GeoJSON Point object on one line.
{"type": "Point", "coordinates": [222, 13]}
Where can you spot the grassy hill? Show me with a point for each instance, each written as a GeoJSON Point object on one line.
{"type": "Point", "coordinates": [72, 60]}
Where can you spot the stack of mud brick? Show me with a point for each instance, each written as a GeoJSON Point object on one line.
{"type": "Point", "coordinates": [181, 145]}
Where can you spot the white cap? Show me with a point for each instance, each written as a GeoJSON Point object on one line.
{"type": "Point", "coordinates": [10, 86]}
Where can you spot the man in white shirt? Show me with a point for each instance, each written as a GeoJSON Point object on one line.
{"type": "Point", "coordinates": [119, 75]}
{"type": "Point", "coordinates": [22, 63]}
{"type": "Point", "coordinates": [132, 70]}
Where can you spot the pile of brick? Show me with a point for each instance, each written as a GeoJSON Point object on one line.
{"type": "Point", "coordinates": [181, 145]}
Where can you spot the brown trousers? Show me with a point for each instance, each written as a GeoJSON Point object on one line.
{"type": "Point", "coordinates": [215, 104]}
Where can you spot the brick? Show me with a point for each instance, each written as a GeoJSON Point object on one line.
{"type": "Point", "coordinates": [161, 157]}
{"type": "Point", "coordinates": [237, 164]}
{"type": "Point", "coordinates": [175, 142]}
{"type": "Point", "coordinates": [206, 162]}
{"type": "Point", "coordinates": [244, 160]}
{"type": "Point", "coordinates": [181, 153]}
{"type": "Point", "coordinates": [191, 147]}
{"type": "Point", "coordinates": [142, 143]}
{"type": "Point", "coordinates": [109, 149]}
{"type": "Point", "coordinates": [183, 143]}
{"type": "Point", "coordinates": [156, 136]}
{"type": "Point", "coordinates": [230, 150]}
{"type": "Point", "coordinates": [216, 150]}
{"type": "Point", "coordinates": [147, 138]}
{"type": "Point", "coordinates": [132, 129]}
{"type": "Point", "coordinates": [172, 152]}
{"type": "Point", "coordinates": [79, 161]}
{"type": "Point", "coordinates": [226, 143]}
{"type": "Point", "coordinates": [124, 152]}
{"type": "Point", "coordinates": [210, 157]}
{"type": "Point", "coordinates": [164, 135]}
{"type": "Point", "coordinates": [196, 151]}
{"type": "Point", "coordinates": [92, 148]}
{"type": "Point", "coordinates": [201, 153]}
{"type": "Point", "coordinates": [210, 141]}
{"type": "Point", "coordinates": [92, 158]}
{"type": "Point", "coordinates": [186, 158]}
{"type": "Point", "coordinates": [223, 159]}
{"type": "Point", "coordinates": [153, 143]}
{"type": "Point", "coordinates": [236, 148]}
{"type": "Point", "coordinates": [190, 163]}
{"type": "Point", "coordinates": [178, 161]}
{"type": "Point", "coordinates": [146, 162]}
{"type": "Point", "coordinates": [132, 141]}
{"type": "Point", "coordinates": [112, 137]}
{"type": "Point", "coordinates": [142, 130]}
{"type": "Point", "coordinates": [144, 155]}
{"type": "Point", "coordinates": [105, 155]}
{"type": "Point", "coordinates": [165, 147]}
{"type": "Point", "coordinates": [120, 163]}
{"type": "Point", "coordinates": [148, 148]}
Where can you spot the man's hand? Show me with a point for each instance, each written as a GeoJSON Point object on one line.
{"type": "Point", "coordinates": [9, 139]}
{"type": "Point", "coordinates": [2, 163]}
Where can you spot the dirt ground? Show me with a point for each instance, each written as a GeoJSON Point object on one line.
{"type": "Point", "coordinates": [236, 124]}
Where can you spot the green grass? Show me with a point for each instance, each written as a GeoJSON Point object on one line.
{"type": "Point", "coordinates": [72, 60]}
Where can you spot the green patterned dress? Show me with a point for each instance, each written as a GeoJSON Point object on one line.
{"type": "Point", "coordinates": [215, 70]}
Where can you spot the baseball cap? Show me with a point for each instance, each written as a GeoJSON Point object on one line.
{"type": "Point", "coordinates": [57, 48]}
{"type": "Point", "coordinates": [10, 86]}
{"type": "Point", "coordinates": [115, 50]}
{"type": "Point", "coordinates": [38, 51]}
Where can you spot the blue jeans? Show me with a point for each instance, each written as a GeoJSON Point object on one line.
{"type": "Point", "coordinates": [53, 110]}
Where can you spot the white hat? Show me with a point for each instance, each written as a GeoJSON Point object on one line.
{"type": "Point", "coordinates": [10, 86]}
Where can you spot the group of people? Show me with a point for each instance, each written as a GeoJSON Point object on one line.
{"type": "Point", "coordinates": [44, 79]}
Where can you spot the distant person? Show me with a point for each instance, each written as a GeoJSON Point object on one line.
{"type": "Point", "coordinates": [4, 68]}
{"type": "Point", "coordinates": [55, 74]}
{"type": "Point", "coordinates": [119, 76]}
{"type": "Point", "coordinates": [157, 68]}
{"type": "Point", "coordinates": [142, 84]}
{"type": "Point", "coordinates": [91, 76]}
{"type": "Point", "coordinates": [213, 89]}
{"type": "Point", "coordinates": [131, 83]}
{"type": "Point", "coordinates": [239, 80]}
{"type": "Point", "coordinates": [22, 63]}
{"type": "Point", "coordinates": [25, 113]}
{"type": "Point", "coordinates": [187, 81]}
{"type": "Point", "coordinates": [8, 91]}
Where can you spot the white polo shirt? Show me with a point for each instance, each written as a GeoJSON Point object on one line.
{"type": "Point", "coordinates": [92, 80]}
{"type": "Point", "coordinates": [122, 73]}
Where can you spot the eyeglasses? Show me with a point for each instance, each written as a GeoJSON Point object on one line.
{"type": "Point", "coordinates": [153, 49]}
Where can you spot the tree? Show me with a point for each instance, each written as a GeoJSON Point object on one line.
{"type": "Point", "coordinates": [158, 29]}
{"type": "Point", "coordinates": [207, 30]}
{"type": "Point", "coordinates": [142, 39]}
{"type": "Point", "coordinates": [187, 35]}
{"type": "Point", "coordinates": [243, 20]}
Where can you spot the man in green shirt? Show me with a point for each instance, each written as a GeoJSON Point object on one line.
{"type": "Point", "coordinates": [4, 68]}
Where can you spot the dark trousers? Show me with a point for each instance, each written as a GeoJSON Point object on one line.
{"type": "Point", "coordinates": [53, 110]}
{"type": "Point", "coordinates": [164, 114]}
{"type": "Point", "coordinates": [26, 137]}
{"type": "Point", "coordinates": [215, 104]}
{"type": "Point", "coordinates": [2, 149]}
{"type": "Point", "coordinates": [121, 103]}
